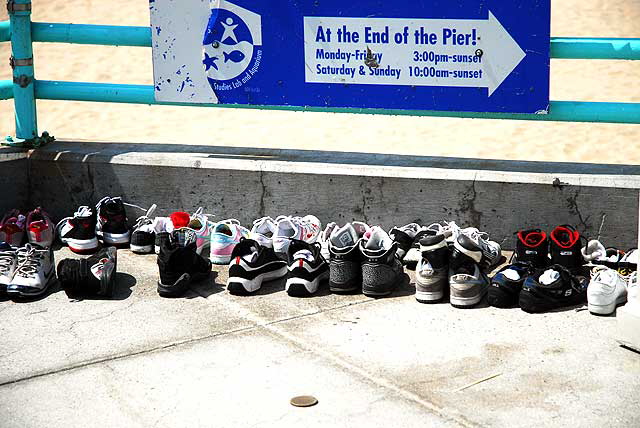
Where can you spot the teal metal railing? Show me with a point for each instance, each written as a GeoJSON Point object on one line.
{"type": "Point", "coordinates": [24, 89]}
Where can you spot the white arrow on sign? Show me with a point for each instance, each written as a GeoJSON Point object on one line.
{"type": "Point", "coordinates": [426, 52]}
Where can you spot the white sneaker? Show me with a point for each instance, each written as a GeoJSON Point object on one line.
{"type": "Point", "coordinates": [263, 230]}
{"type": "Point", "coordinates": [8, 262]}
{"type": "Point", "coordinates": [491, 251]}
{"type": "Point", "coordinates": [35, 271]}
{"type": "Point", "coordinates": [324, 237]}
{"type": "Point", "coordinates": [606, 291]}
{"type": "Point", "coordinates": [305, 229]}
{"type": "Point", "coordinates": [628, 316]}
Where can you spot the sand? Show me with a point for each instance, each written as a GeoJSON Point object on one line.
{"type": "Point", "coordinates": [571, 80]}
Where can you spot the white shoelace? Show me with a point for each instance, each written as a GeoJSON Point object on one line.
{"type": "Point", "coordinates": [29, 261]}
{"type": "Point", "coordinates": [6, 260]}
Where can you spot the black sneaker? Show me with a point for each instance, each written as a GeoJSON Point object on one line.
{"type": "Point", "coordinates": [468, 284]}
{"type": "Point", "coordinates": [404, 237]}
{"type": "Point", "coordinates": [552, 288]}
{"type": "Point", "coordinates": [143, 237]}
{"type": "Point", "coordinates": [79, 231]}
{"type": "Point", "coordinates": [432, 271]}
{"type": "Point", "coordinates": [345, 272]}
{"type": "Point", "coordinates": [251, 265]}
{"type": "Point", "coordinates": [414, 255]}
{"type": "Point", "coordinates": [505, 287]}
{"type": "Point", "coordinates": [382, 270]}
{"type": "Point", "coordinates": [95, 275]}
{"type": "Point", "coordinates": [532, 246]}
{"type": "Point", "coordinates": [565, 248]}
{"type": "Point", "coordinates": [307, 269]}
{"type": "Point", "coordinates": [112, 222]}
{"type": "Point", "coordinates": [180, 265]}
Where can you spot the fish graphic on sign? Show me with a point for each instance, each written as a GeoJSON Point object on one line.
{"type": "Point", "coordinates": [235, 56]}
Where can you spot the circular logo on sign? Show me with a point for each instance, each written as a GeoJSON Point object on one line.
{"type": "Point", "coordinates": [228, 46]}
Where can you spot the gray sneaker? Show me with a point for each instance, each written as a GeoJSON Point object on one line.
{"type": "Point", "coordinates": [468, 283]}
{"type": "Point", "coordinates": [432, 271]}
{"type": "Point", "coordinates": [382, 270]}
{"type": "Point", "coordinates": [345, 273]}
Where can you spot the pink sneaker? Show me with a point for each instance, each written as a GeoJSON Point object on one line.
{"type": "Point", "coordinates": [40, 230]}
{"type": "Point", "coordinates": [12, 228]}
{"type": "Point", "coordinates": [224, 237]}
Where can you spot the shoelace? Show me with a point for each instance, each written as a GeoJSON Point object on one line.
{"type": "Point", "coordinates": [145, 219]}
{"type": "Point", "coordinates": [6, 260]}
{"type": "Point", "coordinates": [109, 198]}
{"type": "Point", "coordinates": [29, 261]}
{"type": "Point", "coordinates": [261, 219]}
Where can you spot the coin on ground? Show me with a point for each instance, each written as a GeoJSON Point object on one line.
{"type": "Point", "coordinates": [304, 401]}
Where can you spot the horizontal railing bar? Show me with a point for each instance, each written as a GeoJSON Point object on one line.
{"type": "Point", "coordinates": [5, 31]}
{"type": "Point", "coordinates": [113, 35]}
{"type": "Point", "coordinates": [84, 34]}
{"type": "Point", "coordinates": [562, 111]}
{"type": "Point", "coordinates": [587, 48]}
{"type": "Point", "coordinates": [6, 89]}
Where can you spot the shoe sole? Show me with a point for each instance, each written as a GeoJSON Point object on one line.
{"type": "Point", "coordinates": [298, 287]}
{"type": "Point", "coordinates": [86, 246]}
{"type": "Point", "coordinates": [107, 279]}
{"type": "Point", "coordinates": [242, 286]}
{"type": "Point", "coordinates": [606, 309]}
{"type": "Point", "coordinates": [142, 249]}
{"type": "Point", "coordinates": [50, 279]}
{"type": "Point", "coordinates": [220, 260]}
{"type": "Point", "coordinates": [499, 298]}
{"type": "Point", "coordinates": [466, 302]}
{"type": "Point", "coordinates": [372, 292]}
{"type": "Point", "coordinates": [534, 305]}
{"type": "Point", "coordinates": [431, 296]}
{"type": "Point", "coordinates": [177, 289]}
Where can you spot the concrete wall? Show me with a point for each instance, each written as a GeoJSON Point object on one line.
{"type": "Point", "coordinates": [499, 197]}
{"type": "Point", "coordinates": [14, 180]}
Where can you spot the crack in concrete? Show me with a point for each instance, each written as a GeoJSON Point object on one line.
{"type": "Point", "coordinates": [467, 205]}
{"type": "Point", "coordinates": [263, 194]}
{"type": "Point", "coordinates": [572, 204]}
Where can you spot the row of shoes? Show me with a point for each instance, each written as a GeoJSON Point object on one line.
{"type": "Point", "coordinates": [29, 271]}
{"type": "Point", "coordinates": [33, 227]}
{"type": "Point", "coordinates": [554, 270]}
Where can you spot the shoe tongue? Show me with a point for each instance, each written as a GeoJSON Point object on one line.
{"type": "Point", "coordinates": [304, 254]}
{"type": "Point", "coordinates": [346, 236]}
{"type": "Point", "coordinates": [549, 277]}
{"type": "Point", "coordinates": [379, 240]}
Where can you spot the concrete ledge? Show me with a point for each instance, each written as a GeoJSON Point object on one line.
{"type": "Point", "coordinates": [14, 179]}
{"type": "Point", "coordinates": [246, 183]}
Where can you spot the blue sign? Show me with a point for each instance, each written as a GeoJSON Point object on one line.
{"type": "Point", "coordinates": [455, 55]}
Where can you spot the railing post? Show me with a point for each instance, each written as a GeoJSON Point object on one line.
{"type": "Point", "coordinates": [21, 62]}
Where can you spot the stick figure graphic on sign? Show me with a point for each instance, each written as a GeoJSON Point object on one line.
{"type": "Point", "coordinates": [229, 30]}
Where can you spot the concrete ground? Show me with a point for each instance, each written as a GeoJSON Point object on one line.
{"type": "Point", "coordinates": [212, 359]}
